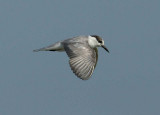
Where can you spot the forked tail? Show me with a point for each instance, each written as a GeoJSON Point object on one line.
{"type": "Point", "coordinates": [54, 47]}
{"type": "Point", "coordinates": [41, 49]}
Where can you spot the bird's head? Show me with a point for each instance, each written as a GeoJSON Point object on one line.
{"type": "Point", "coordinates": [97, 41]}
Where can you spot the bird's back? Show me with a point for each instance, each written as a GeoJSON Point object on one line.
{"type": "Point", "coordinates": [78, 39]}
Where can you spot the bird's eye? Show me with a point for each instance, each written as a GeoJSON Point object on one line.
{"type": "Point", "coordinates": [100, 41]}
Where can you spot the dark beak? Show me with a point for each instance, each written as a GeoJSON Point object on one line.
{"type": "Point", "coordinates": [103, 46]}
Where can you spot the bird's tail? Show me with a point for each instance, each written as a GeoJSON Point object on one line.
{"type": "Point", "coordinates": [41, 49]}
{"type": "Point", "coordinates": [54, 47]}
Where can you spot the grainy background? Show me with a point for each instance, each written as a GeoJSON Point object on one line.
{"type": "Point", "coordinates": [125, 82]}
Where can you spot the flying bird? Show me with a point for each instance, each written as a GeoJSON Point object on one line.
{"type": "Point", "coordinates": [82, 51]}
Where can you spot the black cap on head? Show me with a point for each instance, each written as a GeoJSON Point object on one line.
{"type": "Point", "coordinates": [99, 39]}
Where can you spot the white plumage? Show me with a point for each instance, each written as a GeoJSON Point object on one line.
{"type": "Point", "coordinates": [82, 51]}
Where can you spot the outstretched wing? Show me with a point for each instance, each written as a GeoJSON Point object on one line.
{"type": "Point", "coordinates": [83, 59]}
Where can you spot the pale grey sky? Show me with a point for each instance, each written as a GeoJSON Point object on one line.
{"type": "Point", "coordinates": [125, 82]}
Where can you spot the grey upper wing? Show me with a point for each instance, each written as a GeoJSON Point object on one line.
{"type": "Point", "coordinates": [83, 59]}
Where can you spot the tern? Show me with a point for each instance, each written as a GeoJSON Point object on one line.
{"type": "Point", "coordinates": [82, 52]}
